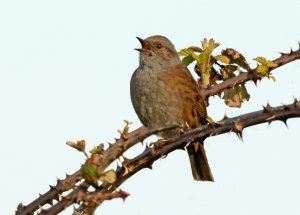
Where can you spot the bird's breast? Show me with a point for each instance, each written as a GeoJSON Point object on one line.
{"type": "Point", "coordinates": [154, 102]}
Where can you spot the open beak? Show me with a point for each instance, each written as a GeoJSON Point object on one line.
{"type": "Point", "coordinates": [145, 45]}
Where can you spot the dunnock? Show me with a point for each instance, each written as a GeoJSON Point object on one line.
{"type": "Point", "coordinates": [164, 94]}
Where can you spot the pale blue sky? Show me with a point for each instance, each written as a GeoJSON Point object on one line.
{"type": "Point", "coordinates": [65, 68]}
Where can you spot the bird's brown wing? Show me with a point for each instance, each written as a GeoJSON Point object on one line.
{"type": "Point", "coordinates": [182, 84]}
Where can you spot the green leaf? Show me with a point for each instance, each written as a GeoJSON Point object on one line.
{"type": "Point", "coordinates": [200, 58]}
{"type": "Point", "coordinates": [262, 69]}
{"type": "Point", "coordinates": [241, 62]}
{"type": "Point", "coordinates": [196, 49]}
{"type": "Point", "coordinates": [230, 68]}
{"type": "Point", "coordinates": [265, 62]}
{"type": "Point", "coordinates": [184, 52]}
{"type": "Point", "coordinates": [261, 60]}
{"type": "Point", "coordinates": [188, 60]}
{"type": "Point", "coordinates": [204, 63]}
{"type": "Point", "coordinates": [209, 45]}
{"type": "Point", "coordinates": [190, 56]}
{"type": "Point", "coordinates": [90, 173]}
{"type": "Point", "coordinates": [223, 59]}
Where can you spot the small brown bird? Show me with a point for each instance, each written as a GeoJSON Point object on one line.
{"type": "Point", "coordinates": [164, 93]}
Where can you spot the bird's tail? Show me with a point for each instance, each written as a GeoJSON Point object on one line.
{"type": "Point", "coordinates": [199, 163]}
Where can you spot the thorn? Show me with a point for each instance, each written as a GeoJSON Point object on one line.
{"type": "Point", "coordinates": [146, 148]}
{"type": "Point", "coordinates": [50, 202]}
{"type": "Point", "coordinates": [239, 134]}
{"type": "Point", "coordinates": [296, 102]}
{"type": "Point", "coordinates": [284, 120]}
{"type": "Point", "coordinates": [142, 142]}
{"type": "Point", "coordinates": [118, 167]}
{"type": "Point", "coordinates": [150, 166]}
{"type": "Point", "coordinates": [299, 44]}
{"type": "Point", "coordinates": [109, 144]}
{"type": "Point", "coordinates": [212, 134]}
{"type": "Point", "coordinates": [67, 176]}
{"type": "Point", "coordinates": [181, 148]}
{"type": "Point", "coordinates": [56, 197]}
{"type": "Point", "coordinates": [58, 181]}
{"type": "Point", "coordinates": [163, 156]}
{"type": "Point", "coordinates": [116, 139]}
{"type": "Point", "coordinates": [40, 194]}
{"type": "Point", "coordinates": [52, 188]}
{"type": "Point", "coordinates": [267, 108]}
{"type": "Point", "coordinates": [225, 117]}
{"type": "Point", "coordinates": [123, 194]}
{"type": "Point", "coordinates": [256, 82]}
{"type": "Point", "coordinates": [281, 53]}
{"type": "Point", "coordinates": [238, 129]}
{"type": "Point", "coordinates": [20, 208]}
{"type": "Point", "coordinates": [291, 52]}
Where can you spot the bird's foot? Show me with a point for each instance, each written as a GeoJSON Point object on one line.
{"type": "Point", "coordinates": [158, 144]}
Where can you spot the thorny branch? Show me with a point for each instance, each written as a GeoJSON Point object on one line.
{"type": "Point", "coordinates": [236, 124]}
{"type": "Point", "coordinates": [146, 159]}
{"type": "Point", "coordinates": [112, 153]}
{"type": "Point", "coordinates": [251, 75]}
{"type": "Point", "coordinates": [126, 141]}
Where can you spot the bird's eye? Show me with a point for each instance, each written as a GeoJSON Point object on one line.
{"type": "Point", "coordinates": [158, 46]}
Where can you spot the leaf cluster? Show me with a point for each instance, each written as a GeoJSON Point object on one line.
{"type": "Point", "coordinates": [214, 69]}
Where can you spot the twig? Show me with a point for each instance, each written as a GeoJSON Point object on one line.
{"type": "Point", "coordinates": [236, 124]}
{"type": "Point", "coordinates": [251, 75]}
{"type": "Point", "coordinates": [113, 152]}
{"type": "Point", "coordinates": [145, 160]}
{"type": "Point", "coordinates": [52, 194]}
